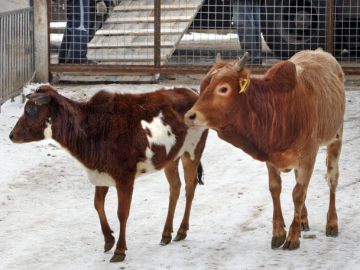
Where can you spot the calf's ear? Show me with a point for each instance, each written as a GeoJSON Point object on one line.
{"type": "Point", "coordinates": [282, 76]}
{"type": "Point", "coordinates": [39, 98]}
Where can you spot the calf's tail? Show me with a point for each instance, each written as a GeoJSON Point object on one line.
{"type": "Point", "coordinates": [200, 175]}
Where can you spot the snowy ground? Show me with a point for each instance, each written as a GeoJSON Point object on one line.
{"type": "Point", "coordinates": [47, 219]}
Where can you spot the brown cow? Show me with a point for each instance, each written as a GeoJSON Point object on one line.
{"type": "Point", "coordinates": [118, 137]}
{"type": "Point", "coordinates": [281, 118]}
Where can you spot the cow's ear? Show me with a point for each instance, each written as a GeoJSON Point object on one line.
{"type": "Point", "coordinates": [282, 76]}
{"type": "Point", "coordinates": [39, 98]}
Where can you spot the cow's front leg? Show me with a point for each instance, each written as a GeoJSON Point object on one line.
{"type": "Point", "coordinates": [99, 202]}
{"type": "Point", "coordinates": [124, 192]}
{"type": "Point", "coordinates": [279, 233]}
{"type": "Point", "coordinates": [299, 195]}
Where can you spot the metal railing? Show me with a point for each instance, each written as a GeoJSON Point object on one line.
{"type": "Point", "coordinates": [171, 36]}
{"type": "Point", "coordinates": [16, 51]}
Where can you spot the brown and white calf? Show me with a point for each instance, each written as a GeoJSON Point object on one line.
{"type": "Point", "coordinates": [118, 137]}
{"type": "Point", "coordinates": [281, 118]}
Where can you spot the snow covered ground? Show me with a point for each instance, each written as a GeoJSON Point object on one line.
{"type": "Point", "coordinates": [47, 219]}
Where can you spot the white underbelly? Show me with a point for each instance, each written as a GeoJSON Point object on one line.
{"type": "Point", "coordinates": [191, 141]}
{"type": "Point", "coordinates": [100, 179]}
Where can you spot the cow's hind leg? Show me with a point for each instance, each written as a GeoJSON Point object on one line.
{"type": "Point", "coordinates": [279, 233]}
{"type": "Point", "coordinates": [172, 175]}
{"type": "Point", "coordinates": [190, 171]}
{"type": "Point", "coordinates": [99, 202]}
{"type": "Point", "coordinates": [332, 163]}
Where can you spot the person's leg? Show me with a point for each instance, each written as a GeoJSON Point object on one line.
{"type": "Point", "coordinates": [246, 17]}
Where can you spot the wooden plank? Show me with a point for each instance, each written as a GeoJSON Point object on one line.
{"type": "Point", "coordinates": [135, 78]}
{"type": "Point", "coordinates": [116, 32]}
{"type": "Point", "coordinates": [128, 45]}
{"type": "Point", "coordinates": [147, 19]}
{"type": "Point", "coordinates": [151, 7]}
{"type": "Point", "coordinates": [129, 38]}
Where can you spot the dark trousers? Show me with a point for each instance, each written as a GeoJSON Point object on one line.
{"type": "Point", "coordinates": [246, 17]}
{"type": "Point", "coordinates": [80, 21]}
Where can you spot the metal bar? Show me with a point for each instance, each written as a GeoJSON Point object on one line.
{"type": "Point", "coordinates": [103, 69]}
{"type": "Point", "coordinates": [157, 33]}
{"type": "Point", "coordinates": [95, 69]}
{"type": "Point", "coordinates": [7, 13]}
{"type": "Point", "coordinates": [48, 29]}
{"type": "Point", "coordinates": [330, 26]}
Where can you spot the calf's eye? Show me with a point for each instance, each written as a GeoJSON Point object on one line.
{"type": "Point", "coordinates": [31, 110]}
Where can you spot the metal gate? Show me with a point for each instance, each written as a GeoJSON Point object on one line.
{"type": "Point", "coordinates": [16, 51]}
{"type": "Point", "coordinates": [175, 36]}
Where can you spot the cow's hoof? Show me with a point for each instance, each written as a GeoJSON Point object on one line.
{"type": "Point", "coordinates": [109, 244]}
{"type": "Point", "coordinates": [305, 226]}
{"type": "Point", "coordinates": [118, 258]}
{"type": "Point", "coordinates": [277, 241]}
{"type": "Point", "coordinates": [179, 237]}
{"type": "Point", "coordinates": [165, 240]}
{"type": "Point", "coordinates": [332, 231]}
{"type": "Point", "coordinates": [291, 244]}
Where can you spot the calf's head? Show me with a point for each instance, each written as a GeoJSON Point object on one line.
{"type": "Point", "coordinates": [219, 91]}
{"type": "Point", "coordinates": [34, 124]}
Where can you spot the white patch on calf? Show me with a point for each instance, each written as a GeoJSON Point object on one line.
{"type": "Point", "coordinates": [192, 139]}
{"type": "Point", "coordinates": [100, 179]}
{"type": "Point", "coordinates": [161, 134]}
{"type": "Point", "coordinates": [144, 167]}
{"type": "Point", "coordinates": [48, 131]}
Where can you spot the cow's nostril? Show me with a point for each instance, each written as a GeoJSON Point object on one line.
{"type": "Point", "coordinates": [192, 116]}
{"type": "Point", "coordinates": [11, 136]}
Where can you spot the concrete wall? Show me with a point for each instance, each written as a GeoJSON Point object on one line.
{"type": "Point", "coordinates": [8, 5]}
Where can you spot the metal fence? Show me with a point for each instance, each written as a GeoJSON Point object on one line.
{"type": "Point", "coordinates": [16, 51]}
{"type": "Point", "coordinates": [158, 36]}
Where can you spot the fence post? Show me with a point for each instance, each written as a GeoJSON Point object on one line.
{"type": "Point", "coordinates": [41, 41]}
{"type": "Point", "coordinates": [330, 27]}
{"type": "Point", "coordinates": [157, 33]}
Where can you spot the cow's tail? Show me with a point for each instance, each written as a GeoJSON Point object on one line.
{"type": "Point", "coordinates": [200, 175]}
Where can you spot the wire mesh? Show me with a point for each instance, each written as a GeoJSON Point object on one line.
{"type": "Point", "coordinates": [347, 31]}
{"type": "Point", "coordinates": [193, 32]}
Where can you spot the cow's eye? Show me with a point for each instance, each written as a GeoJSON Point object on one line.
{"type": "Point", "coordinates": [223, 90]}
{"type": "Point", "coordinates": [31, 110]}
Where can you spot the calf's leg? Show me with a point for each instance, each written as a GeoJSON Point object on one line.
{"type": "Point", "coordinates": [99, 202]}
{"type": "Point", "coordinates": [190, 171]}
{"type": "Point", "coordinates": [279, 233]}
{"type": "Point", "coordinates": [124, 190]}
{"type": "Point", "coordinates": [304, 213]}
{"type": "Point", "coordinates": [299, 194]}
{"type": "Point", "coordinates": [172, 175]}
{"type": "Point", "coordinates": [332, 163]}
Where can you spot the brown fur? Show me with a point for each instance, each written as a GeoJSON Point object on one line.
{"type": "Point", "coordinates": [282, 118]}
{"type": "Point", "coordinates": [105, 134]}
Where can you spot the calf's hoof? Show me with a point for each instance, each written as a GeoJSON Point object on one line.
{"type": "Point", "coordinates": [332, 231]}
{"type": "Point", "coordinates": [179, 237]}
{"type": "Point", "coordinates": [118, 258]}
{"type": "Point", "coordinates": [277, 241]}
{"type": "Point", "coordinates": [165, 240]}
{"type": "Point", "coordinates": [291, 244]}
{"type": "Point", "coordinates": [109, 244]}
{"type": "Point", "coordinates": [305, 226]}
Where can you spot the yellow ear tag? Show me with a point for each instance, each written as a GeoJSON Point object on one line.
{"type": "Point", "coordinates": [244, 83]}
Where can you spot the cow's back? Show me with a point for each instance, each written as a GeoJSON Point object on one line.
{"type": "Point", "coordinates": [321, 80]}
